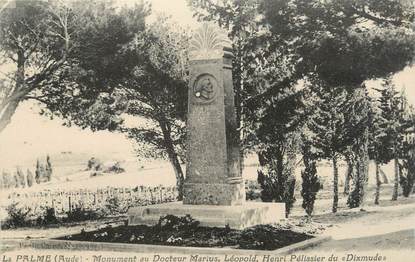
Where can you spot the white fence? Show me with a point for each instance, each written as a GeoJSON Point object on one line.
{"type": "Point", "coordinates": [65, 201]}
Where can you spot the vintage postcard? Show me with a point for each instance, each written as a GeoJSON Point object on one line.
{"type": "Point", "coordinates": [207, 130]}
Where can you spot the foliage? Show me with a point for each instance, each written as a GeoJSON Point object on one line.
{"type": "Point", "coordinates": [20, 178]}
{"type": "Point", "coordinates": [359, 117]}
{"type": "Point", "coordinates": [43, 172]}
{"type": "Point", "coordinates": [140, 76]}
{"type": "Point", "coordinates": [171, 222]}
{"type": "Point", "coordinates": [80, 213]}
{"type": "Point", "coordinates": [407, 179]}
{"type": "Point", "coordinates": [310, 180]}
{"type": "Point", "coordinates": [94, 164]}
{"type": "Point", "coordinates": [48, 169]}
{"type": "Point", "coordinates": [277, 188]}
{"type": "Point", "coordinates": [48, 217]}
{"type": "Point", "coordinates": [35, 39]}
{"type": "Point", "coordinates": [262, 237]}
{"type": "Point", "coordinates": [252, 190]}
{"type": "Point", "coordinates": [18, 216]}
{"type": "Point", "coordinates": [115, 168]}
{"type": "Point", "coordinates": [391, 125]}
{"type": "Point", "coordinates": [114, 206]}
{"type": "Point", "coordinates": [331, 133]}
{"type": "Point", "coordinates": [29, 178]}
{"type": "Point", "coordinates": [339, 43]}
{"type": "Point", "coordinates": [8, 181]}
{"type": "Point", "coordinates": [186, 231]}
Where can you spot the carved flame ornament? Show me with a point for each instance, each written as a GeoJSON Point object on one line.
{"type": "Point", "coordinates": [208, 42]}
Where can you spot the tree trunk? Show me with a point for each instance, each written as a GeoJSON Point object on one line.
{"type": "Point", "coordinates": [8, 108]}
{"type": "Point", "coordinates": [173, 158]}
{"type": "Point", "coordinates": [378, 183]}
{"type": "Point", "coordinates": [335, 185]}
{"type": "Point", "coordinates": [364, 168]}
{"type": "Point", "coordinates": [396, 182]}
{"type": "Point", "coordinates": [348, 175]}
{"type": "Point", "coordinates": [8, 112]}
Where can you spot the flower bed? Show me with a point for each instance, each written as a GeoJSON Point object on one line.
{"type": "Point", "coordinates": [185, 231]}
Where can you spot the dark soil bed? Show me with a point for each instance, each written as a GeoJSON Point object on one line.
{"type": "Point", "coordinates": [184, 231]}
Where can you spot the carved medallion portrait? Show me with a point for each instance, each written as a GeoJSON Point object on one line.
{"type": "Point", "coordinates": [205, 88]}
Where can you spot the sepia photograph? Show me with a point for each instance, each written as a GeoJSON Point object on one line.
{"type": "Point", "coordinates": [207, 130]}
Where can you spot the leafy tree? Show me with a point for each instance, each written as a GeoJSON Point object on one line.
{"type": "Point", "coordinates": [343, 43]}
{"type": "Point", "coordinates": [20, 177]}
{"type": "Point", "coordinates": [157, 91]}
{"type": "Point", "coordinates": [311, 181]}
{"type": "Point", "coordinates": [358, 121]}
{"type": "Point", "coordinates": [376, 149]}
{"type": "Point", "coordinates": [278, 137]}
{"type": "Point", "coordinates": [392, 126]}
{"type": "Point", "coordinates": [141, 76]}
{"type": "Point", "coordinates": [35, 39]}
{"type": "Point", "coordinates": [29, 178]}
{"type": "Point", "coordinates": [7, 180]}
{"type": "Point", "coordinates": [48, 169]}
{"type": "Point", "coordinates": [39, 172]}
{"type": "Point", "coordinates": [407, 169]}
{"type": "Point", "coordinates": [408, 180]}
{"type": "Point", "coordinates": [332, 132]}
{"type": "Point", "coordinates": [348, 156]}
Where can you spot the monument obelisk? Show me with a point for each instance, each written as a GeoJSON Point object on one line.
{"type": "Point", "coordinates": [212, 173]}
{"type": "Point", "coordinates": [213, 191]}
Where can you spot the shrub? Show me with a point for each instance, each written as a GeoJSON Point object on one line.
{"type": "Point", "coordinates": [277, 188]}
{"type": "Point", "coordinates": [310, 186]}
{"type": "Point", "coordinates": [354, 199]}
{"type": "Point", "coordinates": [115, 168]}
{"type": "Point", "coordinates": [8, 180]}
{"type": "Point", "coordinates": [40, 173]}
{"type": "Point", "coordinates": [94, 164]}
{"type": "Point", "coordinates": [79, 213]}
{"type": "Point", "coordinates": [21, 179]}
{"type": "Point", "coordinates": [407, 182]}
{"type": "Point", "coordinates": [268, 237]}
{"type": "Point", "coordinates": [115, 206]}
{"type": "Point", "coordinates": [48, 169]}
{"type": "Point", "coordinates": [18, 216]}
{"type": "Point", "coordinates": [29, 178]}
{"type": "Point", "coordinates": [48, 218]}
{"type": "Point", "coordinates": [16, 180]}
{"type": "Point", "coordinates": [252, 189]}
{"type": "Point", "coordinates": [171, 222]}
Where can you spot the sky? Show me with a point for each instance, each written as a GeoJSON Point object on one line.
{"type": "Point", "coordinates": [30, 135]}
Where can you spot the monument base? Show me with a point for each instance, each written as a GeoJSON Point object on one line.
{"type": "Point", "coordinates": [237, 217]}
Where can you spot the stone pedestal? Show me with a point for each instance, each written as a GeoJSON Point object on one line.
{"type": "Point", "coordinates": [237, 217]}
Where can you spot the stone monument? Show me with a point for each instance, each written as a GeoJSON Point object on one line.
{"type": "Point", "coordinates": [214, 191]}
{"type": "Point", "coordinates": [212, 174]}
